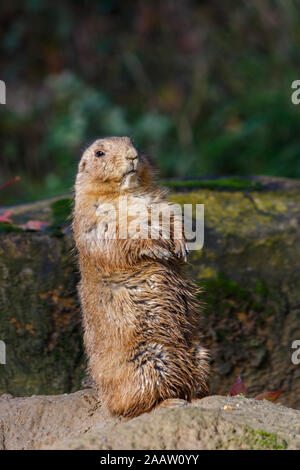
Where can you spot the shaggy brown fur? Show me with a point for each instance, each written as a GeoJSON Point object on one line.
{"type": "Point", "coordinates": [141, 318]}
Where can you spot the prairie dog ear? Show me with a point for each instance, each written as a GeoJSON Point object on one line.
{"type": "Point", "coordinates": [82, 164]}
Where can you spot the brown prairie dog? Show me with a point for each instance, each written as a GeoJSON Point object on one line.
{"type": "Point", "coordinates": [141, 318]}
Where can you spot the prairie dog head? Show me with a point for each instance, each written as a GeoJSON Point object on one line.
{"type": "Point", "coordinates": [112, 164]}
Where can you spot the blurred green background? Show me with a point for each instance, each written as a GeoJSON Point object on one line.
{"type": "Point", "coordinates": [202, 86]}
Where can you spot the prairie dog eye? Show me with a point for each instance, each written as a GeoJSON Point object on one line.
{"type": "Point", "coordinates": [99, 153]}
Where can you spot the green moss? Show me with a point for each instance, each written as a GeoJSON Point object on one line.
{"type": "Point", "coordinates": [7, 228]}
{"type": "Point", "coordinates": [257, 439]}
{"type": "Point", "coordinates": [261, 287]}
{"type": "Point", "coordinates": [254, 343]}
{"type": "Point", "coordinates": [233, 183]}
{"type": "Point", "coordinates": [61, 210]}
{"type": "Point", "coordinates": [244, 215]}
{"type": "Point", "coordinates": [223, 288]}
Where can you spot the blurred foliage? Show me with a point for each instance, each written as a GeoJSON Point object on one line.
{"type": "Point", "coordinates": [203, 86]}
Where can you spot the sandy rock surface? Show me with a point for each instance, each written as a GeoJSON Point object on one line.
{"type": "Point", "coordinates": [77, 421]}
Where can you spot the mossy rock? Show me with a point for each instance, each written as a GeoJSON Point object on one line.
{"type": "Point", "coordinates": [40, 315]}
{"type": "Point", "coordinates": [248, 268]}
{"type": "Point", "coordinates": [229, 184]}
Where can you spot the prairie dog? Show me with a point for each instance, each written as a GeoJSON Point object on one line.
{"type": "Point", "coordinates": [141, 317]}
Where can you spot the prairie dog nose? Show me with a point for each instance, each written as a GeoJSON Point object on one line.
{"type": "Point", "coordinates": [132, 156]}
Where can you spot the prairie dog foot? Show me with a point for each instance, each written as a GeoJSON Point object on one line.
{"type": "Point", "coordinates": [172, 403]}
